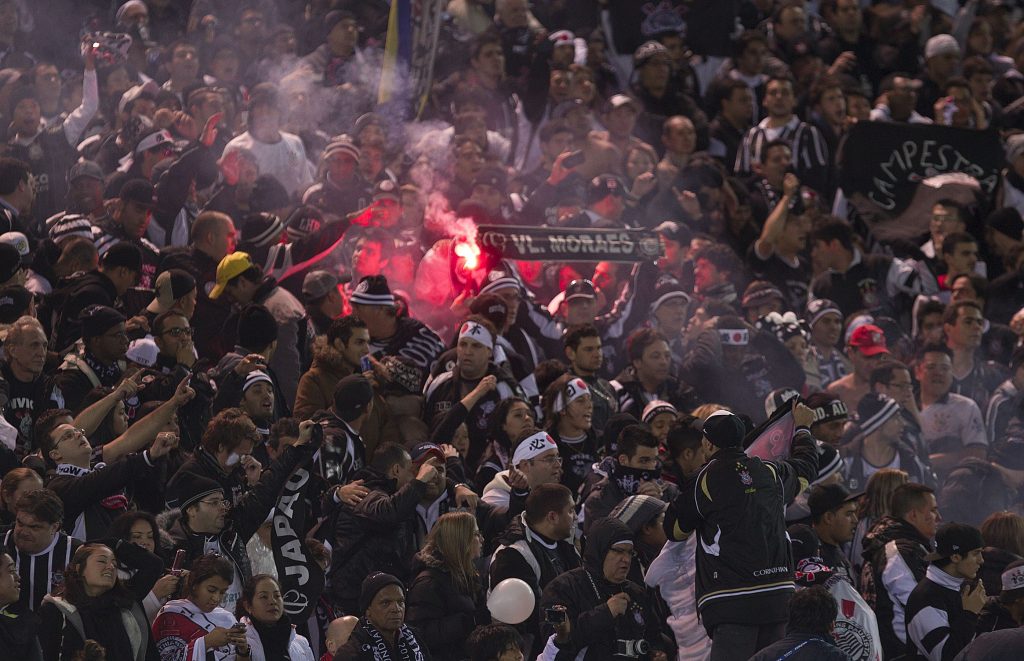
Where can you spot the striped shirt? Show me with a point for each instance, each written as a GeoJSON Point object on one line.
{"type": "Point", "coordinates": [43, 572]}
{"type": "Point", "coordinates": [811, 158]}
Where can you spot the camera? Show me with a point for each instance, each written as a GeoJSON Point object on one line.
{"type": "Point", "coordinates": [631, 648]}
{"type": "Point", "coordinates": [555, 616]}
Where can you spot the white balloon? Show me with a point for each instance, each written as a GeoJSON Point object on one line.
{"type": "Point", "coordinates": [511, 601]}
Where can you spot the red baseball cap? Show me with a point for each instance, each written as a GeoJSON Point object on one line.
{"type": "Point", "coordinates": [869, 339]}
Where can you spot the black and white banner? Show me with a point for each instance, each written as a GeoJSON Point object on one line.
{"type": "Point", "coordinates": [886, 161]}
{"type": "Point", "coordinates": [570, 244]}
{"type": "Point", "coordinates": [301, 578]}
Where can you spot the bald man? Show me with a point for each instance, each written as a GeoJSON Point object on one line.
{"type": "Point", "coordinates": [338, 632]}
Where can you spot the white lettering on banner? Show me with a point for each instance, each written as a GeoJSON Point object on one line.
{"type": "Point", "coordinates": [771, 570]}
{"type": "Point", "coordinates": [931, 156]}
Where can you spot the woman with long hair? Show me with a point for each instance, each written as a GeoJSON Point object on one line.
{"type": "Point", "coordinates": [270, 633]}
{"type": "Point", "coordinates": [876, 503]}
{"type": "Point", "coordinates": [509, 419]}
{"type": "Point", "coordinates": [1003, 533]}
{"type": "Point", "coordinates": [446, 599]}
{"type": "Point", "coordinates": [94, 605]}
{"type": "Point", "coordinates": [189, 628]}
{"type": "Point", "coordinates": [568, 410]}
{"type": "Point", "coordinates": [140, 528]}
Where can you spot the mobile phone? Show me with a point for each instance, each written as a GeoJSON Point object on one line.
{"type": "Point", "coordinates": [179, 560]}
{"type": "Point", "coordinates": [554, 615]}
{"type": "Point", "coordinates": [365, 365]}
{"type": "Point", "coordinates": [574, 159]}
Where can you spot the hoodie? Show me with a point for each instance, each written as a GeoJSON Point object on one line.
{"type": "Point", "coordinates": [584, 592]}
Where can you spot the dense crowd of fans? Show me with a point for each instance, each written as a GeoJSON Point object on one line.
{"type": "Point", "coordinates": [265, 397]}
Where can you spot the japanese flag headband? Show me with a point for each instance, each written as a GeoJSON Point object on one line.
{"type": "Point", "coordinates": [573, 390]}
{"type": "Point", "coordinates": [477, 333]}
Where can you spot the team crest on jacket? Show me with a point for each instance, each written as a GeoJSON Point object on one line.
{"type": "Point", "coordinates": [745, 478]}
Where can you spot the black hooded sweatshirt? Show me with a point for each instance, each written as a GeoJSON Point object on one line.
{"type": "Point", "coordinates": [585, 591]}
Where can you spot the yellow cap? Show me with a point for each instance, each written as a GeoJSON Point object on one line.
{"type": "Point", "coordinates": [230, 267]}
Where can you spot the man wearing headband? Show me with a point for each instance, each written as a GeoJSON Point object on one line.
{"type": "Point", "coordinates": [738, 366]}
{"type": "Point", "coordinates": [536, 458]}
{"type": "Point", "coordinates": [473, 361]}
{"type": "Point", "coordinates": [736, 504]}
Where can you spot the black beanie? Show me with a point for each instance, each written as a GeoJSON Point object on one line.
{"type": "Point", "coordinates": [257, 328]}
{"type": "Point", "coordinates": [724, 429]}
{"type": "Point", "coordinates": [123, 254]}
{"type": "Point", "coordinates": [373, 584]}
{"type": "Point", "coordinates": [98, 319]}
{"type": "Point", "coordinates": [186, 488]}
{"type": "Point", "coordinates": [268, 194]}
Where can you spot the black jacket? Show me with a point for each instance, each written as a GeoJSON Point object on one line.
{"type": "Point", "coordinates": [736, 504]}
{"type": "Point", "coordinates": [888, 598]}
{"type": "Point", "coordinates": [936, 619]}
{"type": "Point", "coordinates": [584, 592]}
{"type": "Point", "coordinates": [802, 647]}
{"type": "Point", "coordinates": [442, 615]}
{"type": "Point", "coordinates": [67, 302]}
{"type": "Point", "coordinates": [375, 535]}
{"type": "Point", "coordinates": [245, 517]}
{"type": "Point", "coordinates": [208, 319]}
{"type": "Point", "coordinates": [94, 498]}
{"type": "Point", "coordinates": [522, 554]}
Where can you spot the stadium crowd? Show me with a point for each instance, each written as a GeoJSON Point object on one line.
{"type": "Point", "coordinates": [269, 391]}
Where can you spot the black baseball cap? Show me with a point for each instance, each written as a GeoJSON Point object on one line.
{"type": "Point", "coordinates": [955, 539]}
{"type": "Point", "coordinates": [824, 498]}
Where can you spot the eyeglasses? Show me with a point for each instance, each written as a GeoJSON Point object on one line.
{"type": "Point", "coordinates": [179, 332]}
{"type": "Point", "coordinates": [219, 502]}
{"type": "Point", "coordinates": [74, 432]}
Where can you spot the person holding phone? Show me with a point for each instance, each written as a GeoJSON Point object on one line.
{"type": "Point", "coordinates": [942, 611]}
{"type": "Point", "coordinates": [190, 628]}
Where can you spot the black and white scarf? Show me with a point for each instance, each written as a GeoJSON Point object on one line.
{"type": "Point", "coordinates": [408, 648]}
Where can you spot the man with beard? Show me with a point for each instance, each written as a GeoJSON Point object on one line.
{"type": "Point", "coordinates": [635, 471]}
{"type": "Point", "coordinates": [127, 221]}
{"type": "Point", "coordinates": [608, 613]}
{"type": "Point", "coordinates": [443, 495]}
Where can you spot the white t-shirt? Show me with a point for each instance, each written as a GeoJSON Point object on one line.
{"type": "Point", "coordinates": [284, 160]}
